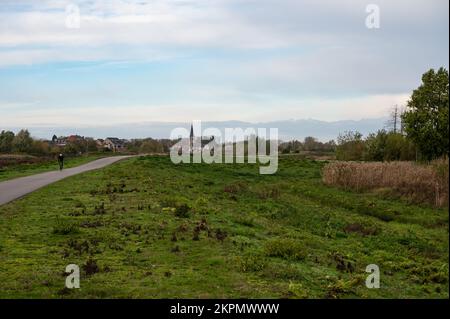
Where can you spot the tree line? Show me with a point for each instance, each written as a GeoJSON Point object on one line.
{"type": "Point", "coordinates": [23, 143]}
{"type": "Point", "coordinates": [309, 144]}
{"type": "Point", "coordinates": [424, 133]}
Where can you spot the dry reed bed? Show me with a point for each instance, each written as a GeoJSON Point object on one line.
{"type": "Point", "coordinates": [417, 182]}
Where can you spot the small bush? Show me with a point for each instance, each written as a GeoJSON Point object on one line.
{"type": "Point", "coordinates": [178, 205]}
{"type": "Point", "coordinates": [252, 262]}
{"type": "Point", "coordinates": [285, 248]}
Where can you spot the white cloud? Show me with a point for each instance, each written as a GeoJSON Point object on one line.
{"type": "Point", "coordinates": [214, 23]}
{"type": "Point", "coordinates": [261, 59]}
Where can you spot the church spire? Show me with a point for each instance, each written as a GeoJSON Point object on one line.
{"type": "Point", "coordinates": [191, 140]}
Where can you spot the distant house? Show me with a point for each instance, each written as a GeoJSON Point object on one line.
{"type": "Point", "coordinates": [100, 143]}
{"type": "Point", "coordinates": [64, 140]}
{"type": "Point", "coordinates": [114, 144]}
{"type": "Point", "coordinates": [75, 138]}
{"type": "Point", "coordinates": [59, 141]}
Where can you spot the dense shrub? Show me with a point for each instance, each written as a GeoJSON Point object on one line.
{"type": "Point", "coordinates": [351, 146]}
{"type": "Point", "coordinates": [380, 146]}
{"type": "Point", "coordinates": [285, 248]}
{"type": "Point", "coordinates": [252, 262]}
{"type": "Point", "coordinates": [22, 142]}
{"type": "Point", "coordinates": [6, 139]}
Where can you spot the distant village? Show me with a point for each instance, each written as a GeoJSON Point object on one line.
{"type": "Point", "coordinates": [113, 144]}
{"type": "Point", "coordinates": [23, 143]}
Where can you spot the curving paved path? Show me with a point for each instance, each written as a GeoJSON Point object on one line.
{"type": "Point", "coordinates": [16, 188]}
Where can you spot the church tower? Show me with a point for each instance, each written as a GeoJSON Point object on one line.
{"type": "Point", "coordinates": [191, 139]}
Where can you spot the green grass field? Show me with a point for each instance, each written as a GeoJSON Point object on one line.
{"type": "Point", "coordinates": [146, 228]}
{"type": "Point", "coordinates": [21, 170]}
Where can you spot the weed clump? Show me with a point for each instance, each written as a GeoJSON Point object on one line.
{"type": "Point", "coordinates": [176, 249]}
{"type": "Point", "coordinates": [252, 262]}
{"type": "Point", "coordinates": [270, 192]}
{"type": "Point", "coordinates": [285, 248]}
{"type": "Point", "coordinates": [183, 228]}
{"type": "Point", "coordinates": [182, 210]}
{"type": "Point", "coordinates": [221, 235]}
{"type": "Point", "coordinates": [430, 274]}
{"type": "Point", "coordinates": [100, 210]}
{"type": "Point", "coordinates": [79, 246]}
{"type": "Point", "coordinates": [64, 291]}
{"type": "Point", "coordinates": [342, 287]}
{"type": "Point", "coordinates": [132, 228]}
{"type": "Point", "coordinates": [64, 227]}
{"type": "Point", "coordinates": [92, 224]}
{"type": "Point", "coordinates": [196, 235]}
{"type": "Point", "coordinates": [343, 262]}
{"type": "Point", "coordinates": [236, 188]}
{"type": "Point", "coordinates": [201, 226]}
{"type": "Point", "coordinates": [90, 267]}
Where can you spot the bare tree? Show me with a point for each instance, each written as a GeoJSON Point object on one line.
{"type": "Point", "coordinates": [394, 124]}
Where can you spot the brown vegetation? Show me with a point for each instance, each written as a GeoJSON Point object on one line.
{"type": "Point", "coordinates": [14, 160]}
{"type": "Point", "coordinates": [417, 182]}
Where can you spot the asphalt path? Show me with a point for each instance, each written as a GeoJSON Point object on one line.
{"type": "Point", "coordinates": [19, 187]}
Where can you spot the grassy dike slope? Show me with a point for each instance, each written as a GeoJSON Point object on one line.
{"type": "Point", "coordinates": [146, 228]}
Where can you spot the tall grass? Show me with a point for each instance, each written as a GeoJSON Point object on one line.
{"type": "Point", "coordinates": [420, 183]}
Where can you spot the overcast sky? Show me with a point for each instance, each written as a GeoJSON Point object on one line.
{"type": "Point", "coordinates": [178, 60]}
